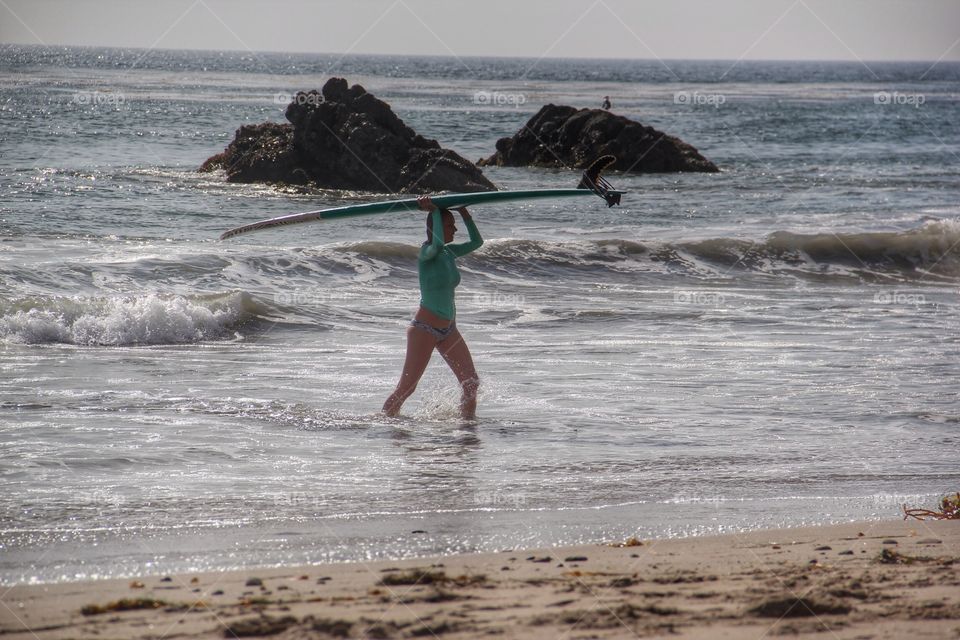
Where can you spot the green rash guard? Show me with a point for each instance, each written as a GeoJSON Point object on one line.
{"type": "Point", "coordinates": [439, 275]}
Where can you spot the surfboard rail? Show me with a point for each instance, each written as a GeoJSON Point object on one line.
{"type": "Point", "coordinates": [590, 184]}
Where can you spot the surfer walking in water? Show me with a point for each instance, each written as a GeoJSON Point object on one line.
{"type": "Point", "coordinates": [434, 325]}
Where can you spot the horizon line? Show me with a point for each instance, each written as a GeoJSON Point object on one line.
{"type": "Point", "coordinates": [6, 45]}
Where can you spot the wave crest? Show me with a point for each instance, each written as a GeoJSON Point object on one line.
{"type": "Point", "coordinates": [931, 248]}
{"type": "Point", "coordinates": [149, 319]}
{"type": "Point", "coordinates": [933, 244]}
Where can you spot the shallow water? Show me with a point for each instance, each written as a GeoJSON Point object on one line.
{"type": "Point", "coordinates": [772, 345]}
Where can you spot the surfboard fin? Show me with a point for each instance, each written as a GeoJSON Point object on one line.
{"type": "Point", "coordinates": [597, 183]}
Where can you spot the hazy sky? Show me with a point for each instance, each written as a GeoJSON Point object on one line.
{"type": "Point", "coordinates": [720, 29]}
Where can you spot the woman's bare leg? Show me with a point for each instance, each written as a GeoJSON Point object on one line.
{"type": "Point", "coordinates": [420, 345]}
{"type": "Point", "coordinates": [455, 351]}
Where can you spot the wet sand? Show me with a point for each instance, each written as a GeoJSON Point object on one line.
{"type": "Point", "coordinates": [861, 580]}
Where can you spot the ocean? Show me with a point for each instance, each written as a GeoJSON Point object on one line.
{"type": "Point", "coordinates": [772, 345]}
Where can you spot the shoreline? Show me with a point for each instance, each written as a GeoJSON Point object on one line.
{"type": "Point", "coordinates": [877, 579]}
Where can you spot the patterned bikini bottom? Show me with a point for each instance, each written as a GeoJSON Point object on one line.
{"type": "Point", "coordinates": [439, 334]}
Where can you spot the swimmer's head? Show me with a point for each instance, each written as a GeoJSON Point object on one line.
{"type": "Point", "coordinates": [449, 226]}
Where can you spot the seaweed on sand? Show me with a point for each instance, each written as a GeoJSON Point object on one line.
{"type": "Point", "coordinates": [949, 509]}
{"type": "Point", "coordinates": [125, 604]}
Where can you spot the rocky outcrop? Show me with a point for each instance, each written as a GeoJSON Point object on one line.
{"type": "Point", "coordinates": [560, 136]}
{"type": "Point", "coordinates": [345, 138]}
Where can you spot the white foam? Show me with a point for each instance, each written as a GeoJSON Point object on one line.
{"type": "Point", "coordinates": [145, 319]}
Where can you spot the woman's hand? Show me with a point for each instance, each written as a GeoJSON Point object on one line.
{"type": "Point", "coordinates": [425, 203]}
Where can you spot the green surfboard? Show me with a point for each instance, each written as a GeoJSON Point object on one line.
{"type": "Point", "coordinates": [449, 201]}
{"type": "Point", "coordinates": [592, 183]}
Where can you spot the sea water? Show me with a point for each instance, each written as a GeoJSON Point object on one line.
{"type": "Point", "coordinates": [772, 345]}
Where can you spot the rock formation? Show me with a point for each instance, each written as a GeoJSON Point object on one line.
{"type": "Point", "coordinates": [345, 138]}
{"type": "Point", "coordinates": [561, 136]}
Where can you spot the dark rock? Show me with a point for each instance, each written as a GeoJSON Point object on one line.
{"type": "Point", "coordinates": [335, 628]}
{"type": "Point", "coordinates": [345, 138]}
{"type": "Point", "coordinates": [255, 627]}
{"type": "Point", "coordinates": [890, 556]}
{"type": "Point", "coordinates": [260, 153]}
{"type": "Point", "coordinates": [561, 136]}
{"type": "Point", "coordinates": [622, 583]}
{"type": "Point", "coordinates": [790, 606]}
{"type": "Point", "coordinates": [414, 576]}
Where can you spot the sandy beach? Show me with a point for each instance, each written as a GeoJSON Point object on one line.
{"type": "Point", "coordinates": [861, 580]}
{"type": "Point", "coordinates": [761, 347]}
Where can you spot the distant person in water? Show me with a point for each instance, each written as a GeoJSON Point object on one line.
{"type": "Point", "coordinates": [606, 103]}
{"type": "Point", "coordinates": [434, 325]}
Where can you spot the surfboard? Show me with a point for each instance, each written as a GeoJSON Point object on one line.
{"type": "Point", "coordinates": [448, 201]}
{"type": "Point", "coordinates": [590, 184]}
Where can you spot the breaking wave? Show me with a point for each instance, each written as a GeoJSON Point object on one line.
{"type": "Point", "coordinates": [932, 249]}
{"type": "Point", "coordinates": [151, 319]}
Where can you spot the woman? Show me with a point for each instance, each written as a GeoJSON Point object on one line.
{"type": "Point", "coordinates": [434, 325]}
